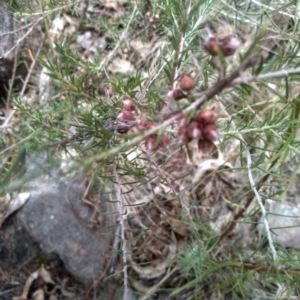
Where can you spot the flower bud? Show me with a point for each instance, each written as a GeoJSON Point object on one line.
{"type": "Point", "coordinates": [229, 45]}
{"type": "Point", "coordinates": [211, 45]}
{"type": "Point", "coordinates": [210, 132]}
{"type": "Point", "coordinates": [182, 132]}
{"type": "Point", "coordinates": [132, 130]}
{"type": "Point", "coordinates": [186, 82]}
{"type": "Point", "coordinates": [151, 142]}
{"type": "Point", "coordinates": [128, 105]}
{"type": "Point", "coordinates": [125, 116]}
{"type": "Point", "coordinates": [176, 94]}
{"type": "Point", "coordinates": [194, 131]}
{"type": "Point", "coordinates": [164, 141]}
{"type": "Point", "coordinates": [143, 123]}
{"type": "Point", "coordinates": [206, 116]}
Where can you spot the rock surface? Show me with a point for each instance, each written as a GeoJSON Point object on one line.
{"type": "Point", "coordinates": [284, 221]}
{"type": "Point", "coordinates": [58, 220]}
{"type": "Point", "coordinates": [7, 40]}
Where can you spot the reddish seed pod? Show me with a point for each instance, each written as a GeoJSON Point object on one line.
{"type": "Point", "coordinates": [182, 132]}
{"type": "Point", "coordinates": [206, 116]}
{"type": "Point", "coordinates": [176, 94]}
{"type": "Point", "coordinates": [205, 145]}
{"type": "Point", "coordinates": [229, 45]}
{"type": "Point", "coordinates": [164, 141]}
{"type": "Point", "coordinates": [128, 105]}
{"type": "Point", "coordinates": [186, 82]}
{"type": "Point", "coordinates": [125, 116]}
{"type": "Point", "coordinates": [194, 131]}
{"type": "Point", "coordinates": [151, 142]}
{"type": "Point", "coordinates": [133, 129]}
{"type": "Point", "coordinates": [211, 45]}
{"type": "Point", "coordinates": [143, 123]}
{"type": "Point", "coordinates": [210, 132]}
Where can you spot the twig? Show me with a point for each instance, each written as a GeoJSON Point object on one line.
{"type": "Point", "coordinates": [138, 33]}
{"type": "Point", "coordinates": [12, 80]}
{"type": "Point", "coordinates": [122, 37]}
{"type": "Point", "coordinates": [50, 10]}
{"type": "Point", "coordinates": [21, 28]}
{"type": "Point", "coordinates": [122, 229]}
{"type": "Point", "coordinates": [157, 73]}
{"type": "Point", "coordinates": [183, 203]}
{"type": "Point", "coordinates": [270, 75]}
{"type": "Point", "coordinates": [120, 128]}
{"type": "Point", "coordinates": [6, 123]}
{"type": "Point", "coordinates": [21, 39]}
{"type": "Point", "coordinates": [10, 290]}
{"type": "Point", "coordinates": [272, 9]}
{"type": "Point", "coordinates": [255, 190]}
{"type": "Point", "coordinates": [154, 288]}
{"type": "Point", "coordinates": [245, 16]}
{"type": "Point", "coordinates": [180, 42]}
{"type": "Point", "coordinates": [20, 142]}
{"type": "Point", "coordinates": [31, 69]}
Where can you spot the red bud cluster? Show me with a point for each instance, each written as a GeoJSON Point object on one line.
{"type": "Point", "coordinates": [202, 128]}
{"type": "Point", "coordinates": [227, 46]}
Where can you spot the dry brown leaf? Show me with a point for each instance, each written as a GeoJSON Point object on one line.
{"type": "Point", "coordinates": [38, 295]}
{"type": "Point", "coordinates": [45, 275]}
{"type": "Point", "coordinates": [33, 276]}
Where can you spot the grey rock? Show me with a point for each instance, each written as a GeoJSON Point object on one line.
{"type": "Point", "coordinates": [284, 221]}
{"type": "Point", "coordinates": [16, 246]}
{"type": "Point", "coordinates": [58, 221]}
{"type": "Point", "coordinates": [7, 41]}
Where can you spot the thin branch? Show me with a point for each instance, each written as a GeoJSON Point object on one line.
{"type": "Point", "coordinates": [270, 75]}
{"type": "Point", "coordinates": [180, 42]}
{"type": "Point", "coordinates": [122, 37]}
{"type": "Point", "coordinates": [31, 69]}
{"type": "Point", "coordinates": [272, 10]}
{"type": "Point", "coordinates": [19, 142]}
{"type": "Point", "coordinates": [12, 80]}
{"type": "Point", "coordinates": [254, 189]}
{"type": "Point", "coordinates": [8, 119]}
{"type": "Point", "coordinates": [46, 12]}
{"type": "Point", "coordinates": [122, 229]}
{"type": "Point", "coordinates": [32, 24]}
{"type": "Point", "coordinates": [162, 174]}
{"type": "Point", "coordinates": [245, 16]}
{"type": "Point", "coordinates": [155, 287]}
{"type": "Point", "coordinates": [21, 39]}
